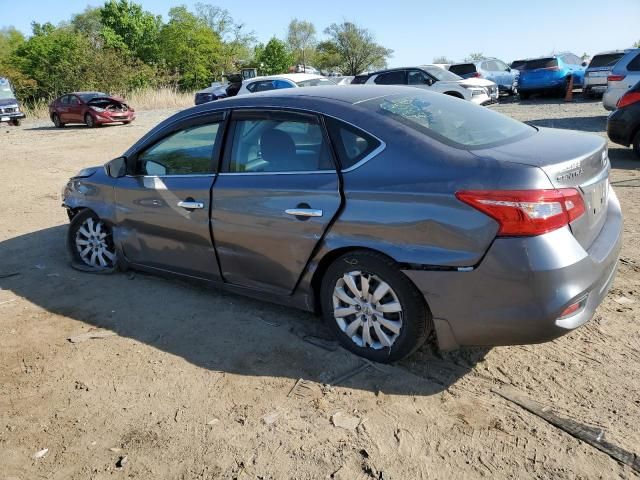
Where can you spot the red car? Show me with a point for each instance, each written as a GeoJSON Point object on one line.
{"type": "Point", "coordinates": [90, 108]}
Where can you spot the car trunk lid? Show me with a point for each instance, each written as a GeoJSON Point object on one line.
{"type": "Point", "coordinates": [570, 160]}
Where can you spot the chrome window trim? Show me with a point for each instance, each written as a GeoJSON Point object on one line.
{"type": "Point", "coordinates": [187, 175]}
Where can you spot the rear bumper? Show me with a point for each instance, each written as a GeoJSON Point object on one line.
{"type": "Point", "coordinates": [516, 294]}
{"type": "Point", "coordinates": [610, 98]}
{"type": "Point", "coordinates": [621, 125]}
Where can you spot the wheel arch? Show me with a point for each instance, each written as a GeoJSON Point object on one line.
{"type": "Point", "coordinates": [452, 93]}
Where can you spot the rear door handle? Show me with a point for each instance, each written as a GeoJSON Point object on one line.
{"type": "Point", "coordinates": [303, 212]}
{"type": "Point", "coordinates": [190, 205]}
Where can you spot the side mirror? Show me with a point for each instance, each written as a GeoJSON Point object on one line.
{"type": "Point", "coordinates": [508, 69]}
{"type": "Point", "coordinates": [117, 167]}
{"type": "Point", "coordinates": [584, 64]}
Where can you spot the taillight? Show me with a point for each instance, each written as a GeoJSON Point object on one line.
{"type": "Point", "coordinates": [615, 78]}
{"type": "Point", "coordinates": [476, 75]}
{"type": "Point", "coordinates": [526, 213]}
{"type": "Point", "coordinates": [628, 99]}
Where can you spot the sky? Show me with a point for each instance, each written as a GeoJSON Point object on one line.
{"type": "Point", "coordinates": [417, 30]}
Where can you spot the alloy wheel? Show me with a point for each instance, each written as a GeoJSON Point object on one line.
{"type": "Point", "coordinates": [94, 245]}
{"type": "Point", "coordinates": [367, 310]}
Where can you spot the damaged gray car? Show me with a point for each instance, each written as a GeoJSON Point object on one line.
{"type": "Point", "coordinates": [398, 214]}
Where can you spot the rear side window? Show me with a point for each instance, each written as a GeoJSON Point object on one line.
{"type": "Point", "coordinates": [539, 63]}
{"type": "Point", "coordinates": [634, 65]}
{"type": "Point", "coordinates": [608, 60]}
{"type": "Point", "coordinates": [352, 144]}
{"type": "Point", "coordinates": [455, 123]}
{"type": "Point", "coordinates": [391, 78]}
{"type": "Point", "coordinates": [463, 68]}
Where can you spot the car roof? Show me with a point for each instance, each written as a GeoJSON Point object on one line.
{"type": "Point", "coordinates": [294, 77]}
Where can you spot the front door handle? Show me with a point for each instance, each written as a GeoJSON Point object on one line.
{"type": "Point", "coordinates": [303, 212]}
{"type": "Point", "coordinates": [190, 204]}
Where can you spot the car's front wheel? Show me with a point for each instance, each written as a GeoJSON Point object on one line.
{"type": "Point", "coordinates": [372, 308]}
{"type": "Point", "coordinates": [90, 242]}
{"type": "Point", "coordinates": [89, 120]}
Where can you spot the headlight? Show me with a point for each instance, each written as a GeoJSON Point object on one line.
{"type": "Point", "coordinates": [97, 109]}
{"type": "Point", "coordinates": [478, 91]}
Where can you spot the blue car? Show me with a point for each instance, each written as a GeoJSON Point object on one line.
{"type": "Point", "coordinates": [549, 74]}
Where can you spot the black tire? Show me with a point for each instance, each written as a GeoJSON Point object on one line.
{"type": "Point", "coordinates": [73, 234]}
{"type": "Point", "coordinates": [126, 122]}
{"type": "Point", "coordinates": [636, 144]}
{"type": "Point", "coordinates": [55, 118]}
{"type": "Point", "coordinates": [524, 95]}
{"type": "Point", "coordinates": [416, 322]}
{"type": "Point", "coordinates": [15, 122]}
{"type": "Point", "coordinates": [89, 121]}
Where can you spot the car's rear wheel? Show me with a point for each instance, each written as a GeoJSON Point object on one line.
{"type": "Point", "coordinates": [90, 242]}
{"type": "Point", "coordinates": [55, 118]}
{"type": "Point", "coordinates": [89, 120]}
{"type": "Point", "coordinates": [372, 308]}
{"type": "Point", "coordinates": [636, 144]}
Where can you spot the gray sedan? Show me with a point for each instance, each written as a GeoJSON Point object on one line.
{"type": "Point", "coordinates": [398, 214]}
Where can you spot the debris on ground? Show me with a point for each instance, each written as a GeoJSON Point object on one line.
{"type": "Point", "coordinates": [41, 453]}
{"type": "Point", "coordinates": [624, 300]}
{"type": "Point", "coordinates": [95, 335]}
{"type": "Point", "coordinates": [592, 435]}
{"type": "Point", "coordinates": [305, 389]}
{"type": "Point", "coordinates": [122, 461]}
{"type": "Point", "coordinates": [270, 418]}
{"type": "Point", "coordinates": [329, 345]}
{"type": "Point", "coordinates": [344, 420]}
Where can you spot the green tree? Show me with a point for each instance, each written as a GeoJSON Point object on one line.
{"type": "Point", "coordinates": [356, 48]}
{"type": "Point", "coordinates": [190, 48]}
{"type": "Point", "coordinates": [273, 57]}
{"type": "Point", "coordinates": [237, 41]}
{"type": "Point", "coordinates": [475, 57]}
{"type": "Point", "coordinates": [10, 39]}
{"type": "Point", "coordinates": [301, 38]}
{"type": "Point", "coordinates": [442, 59]}
{"type": "Point", "coordinates": [637, 44]}
{"type": "Point", "coordinates": [130, 29]}
{"type": "Point", "coordinates": [89, 23]}
{"type": "Point", "coordinates": [327, 57]}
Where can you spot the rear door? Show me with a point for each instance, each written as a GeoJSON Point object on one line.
{"type": "Point", "coordinates": [277, 193]}
{"type": "Point", "coordinates": [62, 107]}
{"type": "Point", "coordinates": [162, 206]}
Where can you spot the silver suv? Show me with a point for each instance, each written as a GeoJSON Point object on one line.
{"type": "Point", "coordinates": [595, 76]}
{"type": "Point", "coordinates": [625, 74]}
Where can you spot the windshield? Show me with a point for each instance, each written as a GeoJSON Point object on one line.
{"type": "Point", "coordinates": [441, 74]}
{"type": "Point", "coordinates": [539, 63]}
{"type": "Point", "coordinates": [91, 95]}
{"type": "Point", "coordinates": [453, 122]}
{"type": "Point", "coordinates": [5, 92]}
{"type": "Point", "coordinates": [463, 68]}
{"type": "Point", "coordinates": [315, 82]}
{"type": "Point", "coordinates": [608, 60]}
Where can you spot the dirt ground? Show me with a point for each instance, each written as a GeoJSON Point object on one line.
{"type": "Point", "coordinates": [197, 384]}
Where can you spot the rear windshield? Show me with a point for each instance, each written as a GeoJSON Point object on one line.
{"type": "Point", "coordinates": [539, 63]}
{"type": "Point", "coordinates": [452, 121]}
{"type": "Point", "coordinates": [315, 82]}
{"type": "Point", "coordinates": [463, 68]}
{"type": "Point", "coordinates": [607, 60]}
{"type": "Point", "coordinates": [517, 64]}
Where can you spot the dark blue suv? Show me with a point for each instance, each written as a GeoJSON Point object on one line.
{"type": "Point", "coordinates": [550, 74]}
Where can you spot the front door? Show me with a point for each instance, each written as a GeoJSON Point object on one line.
{"type": "Point", "coordinates": [274, 199]}
{"type": "Point", "coordinates": [162, 209]}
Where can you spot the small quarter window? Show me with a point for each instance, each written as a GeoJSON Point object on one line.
{"type": "Point", "coordinates": [352, 144]}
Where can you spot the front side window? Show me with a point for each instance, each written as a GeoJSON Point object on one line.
{"type": "Point", "coordinates": [441, 74]}
{"type": "Point", "coordinates": [186, 152]}
{"type": "Point", "coordinates": [73, 100]}
{"type": "Point", "coordinates": [418, 77]}
{"type": "Point", "coordinates": [391, 78]}
{"type": "Point", "coordinates": [65, 100]}
{"type": "Point", "coordinates": [459, 124]}
{"type": "Point", "coordinates": [352, 144]}
{"type": "Point", "coordinates": [283, 142]}
{"type": "Point", "coordinates": [279, 84]}
{"type": "Point", "coordinates": [501, 66]}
